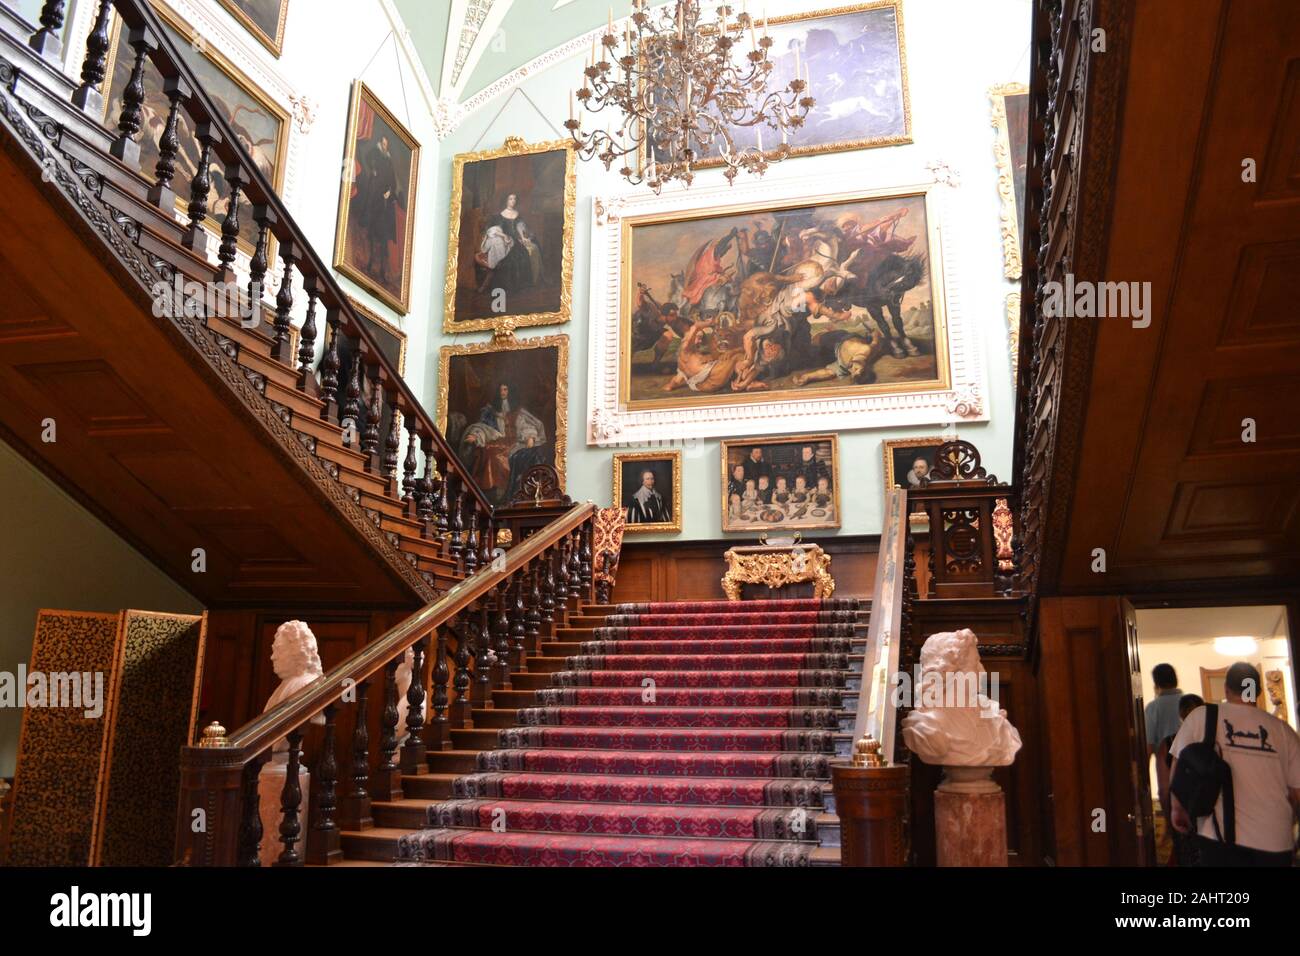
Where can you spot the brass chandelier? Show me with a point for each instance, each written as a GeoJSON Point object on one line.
{"type": "Point", "coordinates": [676, 89]}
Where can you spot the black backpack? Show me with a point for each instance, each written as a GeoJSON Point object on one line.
{"type": "Point", "coordinates": [1202, 775]}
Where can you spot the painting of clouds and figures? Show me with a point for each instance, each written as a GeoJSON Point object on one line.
{"type": "Point", "coordinates": [785, 302]}
{"type": "Point", "coordinates": [855, 59]}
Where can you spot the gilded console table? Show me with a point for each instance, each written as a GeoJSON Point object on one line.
{"type": "Point", "coordinates": [776, 566]}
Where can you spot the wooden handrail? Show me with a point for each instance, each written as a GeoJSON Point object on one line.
{"type": "Point", "coordinates": [138, 14]}
{"type": "Point", "coordinates": [262, 732]}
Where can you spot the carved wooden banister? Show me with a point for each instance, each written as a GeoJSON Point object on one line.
{"type": "Point", "coordinates": [214, 774]}
{"type": "Point", "coordinates": [271, 214]}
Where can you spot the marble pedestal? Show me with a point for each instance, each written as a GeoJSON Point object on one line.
{"type": "Point", "coordinates": [270, 788]}
{"type": "Point", "coordinates": [970, 819]}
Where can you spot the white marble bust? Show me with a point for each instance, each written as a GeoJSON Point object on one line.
{"type": "Point", "coordinates": [296, 661]}
{"type": "Point", "coordinates": [957, 729]}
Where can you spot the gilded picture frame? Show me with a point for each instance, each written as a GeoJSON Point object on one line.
{"type": "Point", "coordinates": [796, 515]}
{"type": "Point", "coordinates": [396, 295]}
{"type": "Point", "coordinates": [931, 291]}
{"type": "Point", "coordinates": [889, 448]}
{"type": "Point", "coordinates": [384, 326]}
{"type": "Point", "coordinates": [620, 462]}
{"type": "Point", "coordinates": [837, 146]}
{"type": "Point", "coordinates": [456, 306]}
{"type": "Point", "coordinates": [450, 377]}
{"type": "Point", "coordinates": [154, 95]}
{"type": "Point", "coordinates": [1010, 150]}
{"type": "Point", "coordinates": [273, 43]}
{"type": "Point", "coordinates": [1013, 334]}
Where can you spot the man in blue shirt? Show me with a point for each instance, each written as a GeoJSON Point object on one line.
{"type": "Point", "coordinates": [1162, 713]}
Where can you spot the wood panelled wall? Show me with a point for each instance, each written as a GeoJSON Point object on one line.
{"type": "Point", "coordinates": [692, 570]}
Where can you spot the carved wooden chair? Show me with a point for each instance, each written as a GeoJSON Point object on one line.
{"type": "Point", "coordinates": [607, 544]}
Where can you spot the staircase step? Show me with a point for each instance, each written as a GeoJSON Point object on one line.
{"type": "Point", "coordinates": [655, 763]}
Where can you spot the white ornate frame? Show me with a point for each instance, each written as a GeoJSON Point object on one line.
{"type": "Point", "coordinates": [611, 423]}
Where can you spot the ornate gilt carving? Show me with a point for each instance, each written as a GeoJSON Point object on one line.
{"type": "Point", "coordinates": [777, 567]}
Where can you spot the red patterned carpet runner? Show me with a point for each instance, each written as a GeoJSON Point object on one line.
{"type": "Point", "coordinates": [693, 734]}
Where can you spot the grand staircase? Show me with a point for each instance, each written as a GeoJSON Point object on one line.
{"type": "Point", "coordinates": [687, 734]}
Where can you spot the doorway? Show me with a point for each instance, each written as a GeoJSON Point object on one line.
{"type": "Point", "coordinates": [1200, 643]}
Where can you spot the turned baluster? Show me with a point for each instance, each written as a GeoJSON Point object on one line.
{"type": "Point", "coordinates": [45, 41]}
{"type": "Point", "coordinates": [561, 558]}
{"type": "Point", "coordinates": [469, 555]}
{"type": "Point", "coordinates": [427, 485]}
{"type": "Point", "coordinates": [485, 548]}
{"type": "Point", "coordinates": [386, 780]}
{"type": "Point", "coordinates": [409, 464]}
{"type": "Point", "coordinates": [329, 367]}
{"type": "Point", "coordinates": [462, 710]}
{"type": "Point", "coordinates": [483, 658]}
{"type": "Point", "coordinates": [575, 566]}
{"type": "Point", "coordinates": [266, 219]}
{"type": "Point", "coordinates": [230, 225]}
{"type": "Point", "coordinates": [533, 616]}
{"type": "Point", "coordinates": [584, 560]}
{"type": "Point", "coordinates": [454, 520]}
{"type": "Point", "coordinates": [351, 405]}
{"type": "Point", "coordinates": [324, 843]}
{"type": "Point", "coordinates": [196, 237]}
{"type": "Point", "coordinates": [501, 634]}
{"type": "Point", "coordinates": [125, 147]}
{"type": "Point", "coordinates": [250, 824]}
{"type": "Point", "coordinates": [393, 448]}
{"type": "Point", "coordinates": [88, 97]}
{"type": "Point", "coordinates": [354, 807]}
{"type": "Point", "coordinates": [289, 256]}
{"type": "Point", "coordinates": [374, 414]}
{"type": "Point", "coordinates": [290, 799]}
{"type": "Point", "coordinates": [435, 733]}
{"type": "Point", "coordinates": [548, 592]}
{"type": "Point", "coordinates": [161, 193]}
{"type": "Point", "coordinates": [441, 508]}
{"type": "Point", "coordinates": [518, 629]}
{"type": "Point", "coordinates": [413, 750]}
{"type": "Point", "coordinates": [307, 338]}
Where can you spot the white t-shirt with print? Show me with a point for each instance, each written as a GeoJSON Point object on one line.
{"type": "Point", "coordinates": [1264, 754]}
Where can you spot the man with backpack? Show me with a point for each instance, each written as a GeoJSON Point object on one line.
{"type": "Point", "coordinates": [1236, 781]}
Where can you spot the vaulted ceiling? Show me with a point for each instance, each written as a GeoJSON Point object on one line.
{"type": "Point", "coordinates": [467, 44]}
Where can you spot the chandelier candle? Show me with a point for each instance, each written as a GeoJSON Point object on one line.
{"type": "Point", "coordinates": [676, 88]}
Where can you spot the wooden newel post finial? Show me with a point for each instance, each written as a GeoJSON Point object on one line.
{"type": "Point", "coordinates": [871, 800]}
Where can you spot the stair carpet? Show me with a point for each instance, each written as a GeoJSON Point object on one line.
{"type": "Point", "coordinates": [688, 734]}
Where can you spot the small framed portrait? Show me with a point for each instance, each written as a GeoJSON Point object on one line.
{"type": "Point", "coordinates": [264, 19]}
{"type": "Point", "coordinates": [376, 225]}
{"type": "Point", "coordinates": [648, 487]}
{"type": "Point", "coordinates": [778, 483]}
{"type": "Point", "coordinates": [908, 460]}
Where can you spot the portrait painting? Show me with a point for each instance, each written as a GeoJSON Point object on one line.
{"type": "Point", "coordinates": [854, 60]}
{"type": "Point", "coordinates": [839, 297]}
{"type": "Point", "coordinates": [261, 125]}
{"type": "Point", "coordinates": [375, 222]}
{"type": "Point", "coordinates": [503, 406]}
{"type": "Point", "coordinates": [510, 249]}
{"type": "Point", "coordinates": [264, 19]}
{"type": "Point", "coordinates": [1011, 150]}
{"type": "Point", "coordinates": [907, 461]}
{"type": "Point", "coordinates": [781, 483]}
{"type": "Point", "coordinates": [648, 487]}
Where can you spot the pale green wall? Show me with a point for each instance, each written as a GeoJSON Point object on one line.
{"type": "Point", "coordinates": [955, 53]}
{"type": "Point", "coordinates": [58, 555]}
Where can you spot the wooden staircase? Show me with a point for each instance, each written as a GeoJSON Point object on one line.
{"type": "Point", "coordinates": [291, 452]}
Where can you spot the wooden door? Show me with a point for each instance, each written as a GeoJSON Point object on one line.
{"type": "Point", "coordinates": [1142, 817]}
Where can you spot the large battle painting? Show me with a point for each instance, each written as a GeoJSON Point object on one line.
{"type": "Point", "coordinates": [503, 407]}
{"type": "Point", "coordinates": [510, 252]}
{"type": "Point", "coordinates": [854, 58]}
{"type": "Point", "coordinates": [807, 301]}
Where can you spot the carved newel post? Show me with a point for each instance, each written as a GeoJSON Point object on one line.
{"type": "Point", "coordinates": [296, 661]}
{"type": "Point", "coordinates": [957, 724]}
{"type": "Point", "coordinates": [871, 802]}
